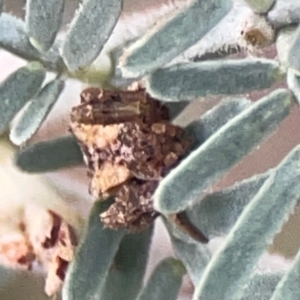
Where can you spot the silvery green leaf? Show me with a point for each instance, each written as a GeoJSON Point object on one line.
{"type": "Point", "coordinates": [49, 155]}
{"type": "Point", "coordinates": [125, 277]}
{"type": "Point", "coordinates": [13, 38]}
{"type": "Point", "coordinates": [214, 216]}
{"type": "Point", "coordinates": [1, 6]}
{"type": "Point", "coordinates": [165, 281]}
{"type": "Point", "coordinates": [287, 289]}
{"type": "Point", "coordinates": [223, 39]}
{"type": "Point", "coordinates": [293, 58]}
{"type": "Point", "coordinates": [175, 108]}
{"type": "Point", "coordinates": [217, 53]}
{"type": "Point", "coordinates": [217, 213]}
{"type": "Point", "coordinates": [117, 79]}
{"type": "Point", "coordinates": [18, 89]}
{"type": "Point", "coordinates": [94, 257]}
{"type": "Point", "coordinates": [200, 130]}
{"type": "Point", "coordinates": [168, 39]}
{"type": "Point", "coordinates": [89, 31]}
{"type": "Point", "coordinates": [233, 264]}
{"type": "Point", "coordinates": [36, 111]}
{"type": "Point", "coordinates": [207, 164]}
{"type": "Point", "coordinates": [261, 286]}
{"type": "Point", "coordinates": [43, 20]}
{"type": "Point", "coordinates": [284, 12]}
{"type": "Point", "coordinates": [293, 81]}
{"type": "Point", "coordinates": [284, 41]}
{"type": "Point", "coordinates": [194, 255]}
{"type": "Point", "coordinates": [188, 81]}
{"type": "Point", "coordinates": [260, 6]}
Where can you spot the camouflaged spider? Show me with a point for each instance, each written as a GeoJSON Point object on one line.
{"type": "Point", "coordinates": [129, 144]}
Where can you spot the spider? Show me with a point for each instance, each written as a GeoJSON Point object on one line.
{"type": "Point", "coordinates": [129, 145]}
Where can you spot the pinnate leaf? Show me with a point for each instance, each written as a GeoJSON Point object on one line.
{"type": "Point", "coordinates": [287, 289]}
{"type": "Point", "coordinates": [284, 12]}
{"type": "Point", "coordinates": [284, 42]}
{"type": "Point", "coordinates": [200, 130]}
{"type": "Point", "coordinates": [89, 31]}
{"type": "Point", "coordinates": [293, 81]}
{"type": "Point", "coordinates": [293, 58]}
{"type": "Point", "coordinates": [222, 40]}
{"type": "Point", "coordinates": [188, 81]}
{"type": "Point", "coordinates": [165, 281]}
{"type": "Point", "coordinates": [35, 112]}
{"type": "Point", "coordinates": [216, 213]}
{"type": "Point", "coordinates": [43, 20]}
{"type": "Point", "coordinates": [204, 166]}
{"type": "Point", "coordinates": [261, 286]}
{"type": "Point", "coordinates": [125, 277]}
{"type": "Point", "coordinates": [93, 259]}
{"type": "Point", "coordinates": [233, 264]}
{"type": "Point", "coordinates": [18, 89]}
{"type": "Point", "coordinates": [14, 38]}
{"type": "Point", "coordinates": [172, 37]}
{"type": "Point", "coordinates": [194, 255]}
{"type": "Point", "coordinates": [49, 155]}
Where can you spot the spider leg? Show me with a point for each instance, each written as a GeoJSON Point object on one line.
{"type": "Point", "coordinates": [183, 222]}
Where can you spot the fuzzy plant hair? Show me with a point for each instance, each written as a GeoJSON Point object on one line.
{"type": "Point", "coordinates": [200, 49]}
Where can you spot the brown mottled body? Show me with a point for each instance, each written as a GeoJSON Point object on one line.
{"type": "Point", "coordinates": [129, 145]}
{"type": "Point", "coordinates": [112, 107]}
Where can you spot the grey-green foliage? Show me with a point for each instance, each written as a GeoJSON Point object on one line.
{"type": "Point", "coordinates": [224, 207]}
{"type": "Point", "coordinates": [194, 255]}
{"type": "Point", "coordinates": [165, 281]}
{"type": "Point", "coordinates": [94, 258]}
{"type": "Point", "coordinates": [172, 37]}
{"type": "Point", "coordinates": [214, 119]}
{"type": "Point", "coordinates": [293, 81]}
{"type": "Point", "coordinates": [36, 112]}
{"type": "Point", "coordinates": [219, 42]}
{"type": "Point", "coordinates": [35, 40]}
{"type": "Point", "coordinates": [260, 220]}
{"type": "Point", "coordinates": [18, 89]}
{"type": "Point", "coordinates": [14, 38]}
{"type": "Point", "coordinates": [284, 12]}
{"type": "Point", "coordinates": [49, 155]}
{"type": "Point", "coordinates": [125, 277]}
{"type": "Point", "coordinates": [285, 39]}
{"type": "Point", "coordinates": [89, 31]}
{"type": "Point", "coordinates": [285, 290]}
{"type": "Point", "coordinates": [261, 286]}
{"type": "Point", "coordinates": [111, 264]}
{"type": "Point", "coordinates": [43, 20]}
{"type": "Point", "coordinates": [293, 58]}
{"type": "Point", "coordinates": [204, 166]}
{"type": "Point", "coordinates": [188, 81]}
